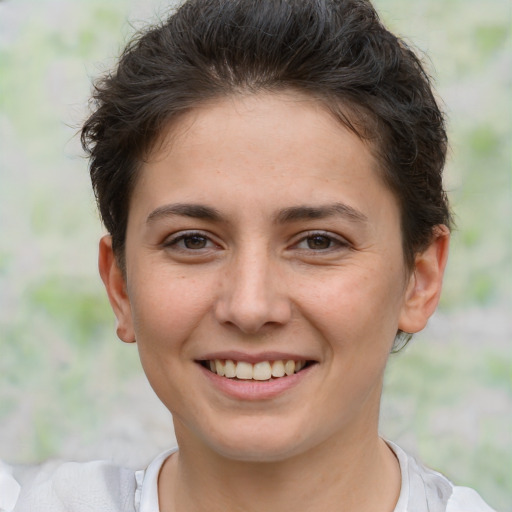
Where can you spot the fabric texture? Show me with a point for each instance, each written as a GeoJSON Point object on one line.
{"type": "Point", "coordinates": [106, 487]}
{"type": "Point", "coordinates": [77, 487]}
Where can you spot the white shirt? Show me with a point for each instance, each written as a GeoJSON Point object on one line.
{"type": "Point", "coordinates": [106, 487]}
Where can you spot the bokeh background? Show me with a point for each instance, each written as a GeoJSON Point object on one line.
{"type": "Point", "coordinates": [70, 390]}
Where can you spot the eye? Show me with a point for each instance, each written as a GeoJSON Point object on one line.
{"type": "Point", "coordinates": [189, 241]}
{"type": "Point", "coordinates": [320, 241]}
{"type": "Point", "coordinates": [195, 242]}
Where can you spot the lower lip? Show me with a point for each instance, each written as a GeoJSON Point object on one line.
{"type": "Point", "coordinates": [255, 389]}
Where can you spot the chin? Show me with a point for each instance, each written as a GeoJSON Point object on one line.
{"type": "Point", "coordinates": [259, 442]}
{"type": "Point", "coordinates": [260, 452]}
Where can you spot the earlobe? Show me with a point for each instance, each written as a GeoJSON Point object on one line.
{"type": "Point", "coordinates": [425, 284]}
{"type": "Point", "coordinates": [114, 281]}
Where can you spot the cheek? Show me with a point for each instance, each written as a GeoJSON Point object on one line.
{"type": "Point", "coordinates": [354, 308]}
{"type": "Point", "coordinates": [166, 309]}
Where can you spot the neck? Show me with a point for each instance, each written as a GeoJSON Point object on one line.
{"type": "Point", "coordinates": [358, 473]}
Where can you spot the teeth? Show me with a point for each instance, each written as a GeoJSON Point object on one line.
{"type": "Point", "coordinates": [244, 370]}
{"type": "Point", "coordinates": [219, 368]}
{"type": "Point", "coordinates": [230, 369]}
{"type": "Point", "coordinates": [263, 370]}
{"type": "Point", "coordinates": [278, 369]}
{"type": "Point", "coordinates": [289, 367]}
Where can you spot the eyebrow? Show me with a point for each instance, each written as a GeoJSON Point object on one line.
{"type": "Point", "coordinates": [287, 215]}
{"type": "Point", "coordinates": [195, 211]}
{"type": "Point", "coordinates": [304, 212]}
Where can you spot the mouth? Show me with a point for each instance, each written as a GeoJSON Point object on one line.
{"type": "Point", "coordinates": [260, 371]}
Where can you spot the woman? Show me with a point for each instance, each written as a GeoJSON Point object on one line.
{"type": "Point", "coordinates": [270, 175]}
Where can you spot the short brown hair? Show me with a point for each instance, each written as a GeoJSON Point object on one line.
{"type": "Point", "coordinates": [335, 50]}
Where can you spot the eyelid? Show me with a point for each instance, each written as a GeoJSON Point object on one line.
{"type": "Point", "coordinates": [338, 240]}
{"type": "Point", "coordinates": [173, 239]}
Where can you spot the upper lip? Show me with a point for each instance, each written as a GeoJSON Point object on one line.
{"type": "Point", "coordinates": [236, 355]}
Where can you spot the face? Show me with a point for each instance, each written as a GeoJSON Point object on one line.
{"type": "Point", "coordinates": [265, 279]}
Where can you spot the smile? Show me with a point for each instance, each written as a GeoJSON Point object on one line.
{"type": "Point", "coordinates": [263, 370]}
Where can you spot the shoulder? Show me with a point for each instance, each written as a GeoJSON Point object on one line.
{"type": "Point", "coordinates": [464, 499]}
{"type": "Point", "coordinates": [76, 487]}
{"type": "Point", "coordinates": [426, 490]}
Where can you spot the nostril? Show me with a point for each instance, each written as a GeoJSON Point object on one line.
{"type": "Point", "coordinates": [251, 302]}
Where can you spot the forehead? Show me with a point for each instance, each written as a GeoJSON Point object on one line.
{"type": "Point", "coordinates": [252, 144]}
{"type": "Point", "coordinates": [308, 109]}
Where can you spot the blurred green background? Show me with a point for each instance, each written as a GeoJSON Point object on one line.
{"type": "Point", "coordinates": [68, 389]}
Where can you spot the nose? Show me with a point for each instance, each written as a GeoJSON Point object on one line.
{"type": "Point", "coordinates": [253, 294]}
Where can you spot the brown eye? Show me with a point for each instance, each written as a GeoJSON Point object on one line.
{"type": "Point", "coordinates": [318, 242]}
{"type": "Point", "coordinates": [191, 243]}
{"type": "Point", "coordinates": [195, 242]}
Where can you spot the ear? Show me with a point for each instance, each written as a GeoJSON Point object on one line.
{"type": "Point", "coordinates": [425, 283]}
{"type": "Point", "coordinates": [115, 284]}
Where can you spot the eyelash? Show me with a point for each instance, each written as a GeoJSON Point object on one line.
{"type": "Point", "coordinates": [178, 241]}
{"type": "Point", "coordinates": [174, 241]}
{"type": "Point", "coordinates": [334, 241]}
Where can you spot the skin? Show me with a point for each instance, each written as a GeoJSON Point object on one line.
{"type": "Point", "coordinates": [296, 250]}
